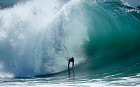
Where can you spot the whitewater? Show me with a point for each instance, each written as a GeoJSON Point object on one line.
{"type": "Point", "coordinates": [37, 36]}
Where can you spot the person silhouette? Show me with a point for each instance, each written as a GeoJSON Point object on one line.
{"type": "Point", "coordinates": [71, 60]}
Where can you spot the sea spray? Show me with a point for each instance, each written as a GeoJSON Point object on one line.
{"type": "Point", "coordinates": [33, 35]}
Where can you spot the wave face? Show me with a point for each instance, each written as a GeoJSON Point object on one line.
{"type": "Point", "coordinates": [113, 30]}
{"type": "Point", "coordinates": [33, 36]}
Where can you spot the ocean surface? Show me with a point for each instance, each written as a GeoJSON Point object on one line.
{"type": "Point", "coordinates": [37, 36]}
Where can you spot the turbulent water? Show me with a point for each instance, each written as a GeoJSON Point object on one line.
{"type": "Point", "coordinates": [36, 37]}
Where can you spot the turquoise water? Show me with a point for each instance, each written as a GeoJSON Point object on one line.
{"type": "Point", "coordinates": [36, 38]}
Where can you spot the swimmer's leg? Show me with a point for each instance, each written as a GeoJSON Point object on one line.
{"type": "Point", "coordinates": [68, 64]}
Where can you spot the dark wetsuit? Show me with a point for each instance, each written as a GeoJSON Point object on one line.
{"type": "Point", "coordinates": [71, 60]}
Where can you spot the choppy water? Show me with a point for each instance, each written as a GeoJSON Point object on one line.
{"type": "Point", "coordinates": [102, 36]}
{"type": "Point", "coordinates": [75, 79]}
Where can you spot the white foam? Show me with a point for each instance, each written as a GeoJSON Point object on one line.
{"type": "Point", "coordinates": [4, 74]}
{"type": "Point", "coordinates": [34, 40]}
